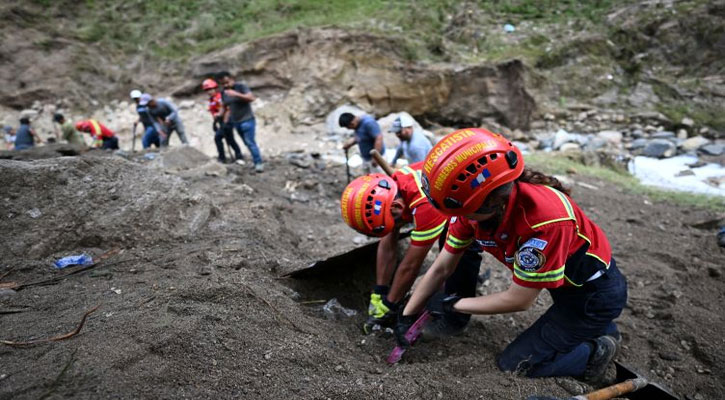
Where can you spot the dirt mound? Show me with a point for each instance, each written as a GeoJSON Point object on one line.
{"type": "Point", "coordinates": [192, 305]}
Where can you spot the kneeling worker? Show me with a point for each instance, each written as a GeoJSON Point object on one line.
{"type": "Point", "coordinates": [102, 136]}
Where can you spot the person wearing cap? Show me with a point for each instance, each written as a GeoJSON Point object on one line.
{"type": "Point", "coordinates": [237, 100]}
{"type": "Point", "coordinates": [528, 222]}
{"type": "Point", "coordinates": [151, 128]}
{"type": "Point", "coordinates": [222, 131]}
{"type": "Point", "coordinates": [414, 146]}
{"type": "Point", "coordinates": [368, 136]}
{"type": "Point", "coordinates": [102, 136]}
{"type": "Point", "coordinates": [68, 131]}
{"type": "Point", "coordinates": [25, 136]}
{"type": "Point", "coordinates": [165, 116]}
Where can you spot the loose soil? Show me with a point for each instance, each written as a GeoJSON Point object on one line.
{"type": "Point", "coordinates": [193, 304]}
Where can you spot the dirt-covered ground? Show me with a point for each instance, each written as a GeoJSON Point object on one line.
{"type": "Point", "coordinates": [193, 305]}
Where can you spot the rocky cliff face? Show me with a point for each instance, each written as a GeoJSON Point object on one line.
{"type": "Point", "coordinates": [312, 71]}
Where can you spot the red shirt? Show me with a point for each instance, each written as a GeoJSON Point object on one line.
{"type": "Point", "coordinates": [428, 222]}
{"type": "Point", "coordinates": [97, 130]}
{"type": "Point", "coordinates": [544, 239]}
{"type": "Point", "coordinates": [215, 104]}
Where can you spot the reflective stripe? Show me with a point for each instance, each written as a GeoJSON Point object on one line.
{"type": "Point", "coordinates": [96, 127]}
{"type": "Point", "coordinates": [422, 236]}
{"type": "Point", "coordinates": [416, 177]}
{"type": "Point", "coordinates": [458, 243]}
{"type": "Point", "coordinates": [548, 276]}
{"type": "Point", "coordinates": [407, 170]}
{"type": "Point", "coordinates": [567, 206]}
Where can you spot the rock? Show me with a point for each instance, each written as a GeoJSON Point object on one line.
{"type": "Point", "coordinates": [669, 356]}
{"type": "Point", "coordinates": [568, 147]}
{"type": "Point", "coordinates": [663, 135]}
{"type": "Point", "coordinates": [688, 122]}
{"type": "Point", "coordinates": [643, 96]}
{"type": "Point", "coordinates": [659, 148]}
{"type": "Point", "coordinates": [549, 117]}
{"type": "Point", "coordinates": [638, 144]}
{"type": "Point", "coordinates": [5, 292]}
{"type": "Point", "coordinates": [613, 137]}
{"type": "Point", "coordinates": [34, 213]}
{"type": "Point", "coordinates": [186, 104]}
{"type": "Point", "coordinates": [681, 134]}
{"type": "Point", "coordinates": [29, 113]}
{"type": "Point", "coordinates": [694, 143]}
{"type": "Point", "coordinates": [713, 149]}
{"type": "Point", "coordinates": [714, 272]}
{"type": "Point", "coordinates": [596, 143]}
{"type": "Point", "coordinates": [686, 172]}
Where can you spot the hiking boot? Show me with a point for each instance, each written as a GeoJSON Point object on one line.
{"type": "Point", "coordinates": [259, 167]}
{"type": "Point", "coordinates": [605, 347]}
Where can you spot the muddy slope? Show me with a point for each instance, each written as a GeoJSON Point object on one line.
{"type": "Point", "coordinates": [192, 305]}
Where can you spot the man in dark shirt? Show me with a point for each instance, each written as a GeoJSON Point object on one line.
{"type": "Point", "coordinates": [151, 128]}
{"type": "Point", "coordinates": [165, 113]}
{"type": "Point", "coordinates": [237, 99]}
{"type": "Point", "coordinates": [25, 137]}
{"type": "Point", "coordinates": [367, 136]}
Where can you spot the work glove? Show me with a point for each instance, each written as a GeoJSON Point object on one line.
{"type": "Point", "coordinates": [441, 304]}
{"type": "Point", "coordinates": [381, 313]}
{"type": "Point", "coordinates": [401, 328]}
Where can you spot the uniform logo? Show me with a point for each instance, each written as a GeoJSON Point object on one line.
{"type": "Point", "coordinates": [477, 181]}
{"type": "Point", "coordinates": [486, 243]}
{"type": "Point", "coordinates": [377, 207]}
{"type": "Point", "coordinates": [529, 259]}
{"type": "Point", "coordinates": [536, 243]}
{"type": "Point", "coordinates": [454, 219]}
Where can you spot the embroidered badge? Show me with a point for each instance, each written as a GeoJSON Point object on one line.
{"type": "Point", "coordinates": [529, 259]}
{"type": "Point", "coordinates": [536, 243]}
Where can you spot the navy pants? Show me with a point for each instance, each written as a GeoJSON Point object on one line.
{"type": "Point", "coordinates": [226, 132]}
{"type": "Point", "coordinates": [150, 136]}
{"type": "Point", "coordinates": [559, 343]}
{"type": "Point", "coordinates": [246, 131]}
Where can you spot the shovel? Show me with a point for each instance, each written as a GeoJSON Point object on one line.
{"type": "Point", "coordinates": [631, 385]}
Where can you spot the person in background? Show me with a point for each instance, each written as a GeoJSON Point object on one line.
{"type": "Point", "coordinates": [237, 100]}
{"type": "Point", "coordinates": [25, 136]}
{"type": "Point", "coordinates": [151, 127]}
{"type": "Point", "coordinates": [221, 130]}
{"type": "Point", "coordinates": [166, 114]}
{"type": "Point", "coordinates": [68, 131]}
{"type": "Point", "coordinates": [9, 136]}
{"type": "Point", "coordinates": [414, 146]}
{"type": "Point", "coordinates": [367, 136]}
{"type": "Point", "coordinates": [102, 136]}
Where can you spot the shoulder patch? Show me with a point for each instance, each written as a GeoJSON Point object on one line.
{"type": "Point", "coordinates": [535, 243]}
{"type": "Point", "coordinates": [529, 259]}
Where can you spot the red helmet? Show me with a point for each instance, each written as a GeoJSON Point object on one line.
{"type": "Point", "coordinates": [208, 84]}
{"type": "Point", "coordinates": [365, 204]}
{"type": "Point", "coordinates": [465, 166]}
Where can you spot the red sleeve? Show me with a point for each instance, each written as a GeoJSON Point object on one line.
{"type": "Point", "coordinates": [540, 259]}
{"type": "Point", "coordinates": [460, 235]}
{"type": "Point", "coordinates": [429, 224]}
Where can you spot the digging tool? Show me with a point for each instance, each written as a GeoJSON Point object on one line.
{"type": "Point", "coordinates": [347, 165]}
{"type": "Point", "coordinates": [381, 161]}
{"type": "Point", "coordinates": [631, 386]}
{"type": "Point", "coordinates": [133, 140]}
{"type": "Point", "coordinates": [411, 336]}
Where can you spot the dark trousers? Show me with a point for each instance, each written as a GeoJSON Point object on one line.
{"type": "Point", "coordinates": [226, 132]}
{"type": "Point", "coordinates": [559, 343]}
{"type": "Point", "coordinates": [110, 143]}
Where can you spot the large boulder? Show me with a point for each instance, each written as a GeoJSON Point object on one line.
{"type": "Point", "coordinates": [659, 148]}
{"type": "Point", "coordinates": [694, 143]}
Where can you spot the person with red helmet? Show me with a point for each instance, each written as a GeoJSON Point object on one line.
{"type": "Point", "coordinates": [102, 137]}
{"type": "Point", "coordinates": [378, 205]}
{"type": "Point", "coordinates": [528, 222]}
{"type": "Point", "coordinates": [214, 106]}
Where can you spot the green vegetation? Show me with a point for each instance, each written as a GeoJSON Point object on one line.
{"type": "Point", "coordinates": [178, 29]}
{"type": "Point", "coordinates": [560, 165]}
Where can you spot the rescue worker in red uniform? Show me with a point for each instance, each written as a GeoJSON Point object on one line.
{"type": "Point", "coordinates": [378, 205]}
{"type": "Point", "coordinates": [528, 222]}
{"type": "Point", "coordinates": [214, 106]}
{"type": "Point", "coordinates": [102, 136]}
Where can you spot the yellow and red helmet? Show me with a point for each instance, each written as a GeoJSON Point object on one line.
{"type": "Point", "coordinates": [366, 202]}
{"type": "Point", "coordinates": [208, 84]}
{"type": "Point", "coordinates": [465, 166]}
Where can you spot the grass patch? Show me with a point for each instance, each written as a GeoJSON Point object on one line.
{"type": "Point", "coordinates": [558, 164]}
